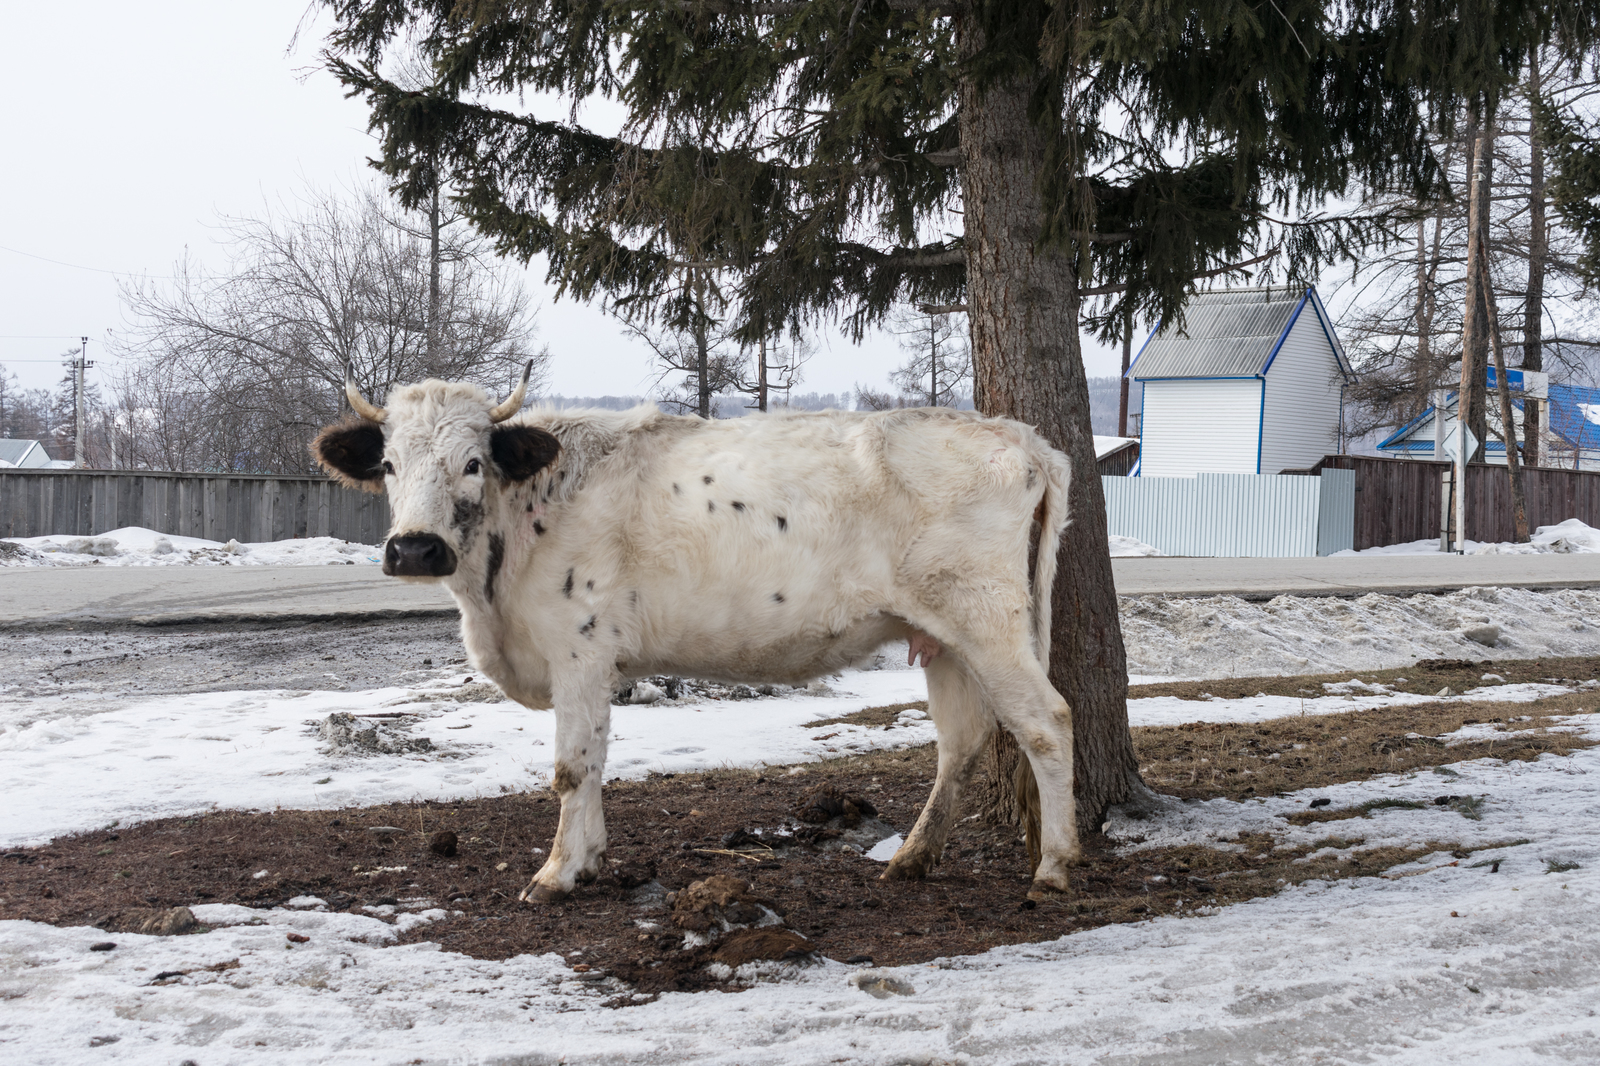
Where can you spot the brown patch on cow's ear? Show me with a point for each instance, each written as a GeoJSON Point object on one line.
{"type": "Point", "coordinates": [352, 453]}
{"type": "Point", "coordinates": [522, 451]}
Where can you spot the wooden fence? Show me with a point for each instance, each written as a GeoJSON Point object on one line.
{"type": "Point", "coordinates": [1399, 500]}
{"type": "Point", "coordinates": [243, 507]}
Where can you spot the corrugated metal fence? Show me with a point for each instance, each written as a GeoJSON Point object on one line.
{"type": "Point", "coordinates": [243, 507]}
{"type": "Point", "coordinates": [1234, 514]}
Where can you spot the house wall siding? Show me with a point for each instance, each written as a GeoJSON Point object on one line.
{"type": "Point", "coordinates": [1301, 420]}
{"type": "Point", "coordinates": [1194, 426]}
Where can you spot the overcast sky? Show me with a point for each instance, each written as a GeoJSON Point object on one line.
{"type": "Point", "coordinates": [130, 128]}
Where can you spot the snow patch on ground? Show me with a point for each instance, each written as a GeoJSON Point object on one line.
{"type": "Point", "coordinates": [81, 763]}
{"type": "Point", "coordinates": [137, 546]}
{"type": "Point", "coordinates": [1444, 961]}
{"type": "Point", "coordinates": [1569, 537]}
{"type": "Point", "coordinates": [1130, 548]}
{"type": "Point", "coordinates": [1226, 636]}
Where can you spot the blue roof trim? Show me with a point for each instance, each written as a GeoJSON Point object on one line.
{"type": "Point", "coordinates": [1333, 337]}
{"type": "Point", "coordinates": [1276, 348]}
{"type": "Point", "coordinates": [1219, 377]}
{"type": "Point", "coordinates": [1406, 429]}
{"type": "Point", "coordinates": [1261, 414]}
{"type": "Point", "coordinates": [1142, 347]}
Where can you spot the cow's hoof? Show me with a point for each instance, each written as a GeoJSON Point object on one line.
{"type": "Point", "coordinates": [537, 893]}
{"type": "Point", "coordinates": [904, 867]}
{"type": "Point", "coordinates": [1041, 890]}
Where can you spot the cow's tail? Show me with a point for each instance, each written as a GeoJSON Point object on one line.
{"type": "Point", "coordinates": [1053, 519]}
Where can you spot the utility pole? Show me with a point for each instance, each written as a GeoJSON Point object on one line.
{"type": "Point", "coordinates": [79, 364]}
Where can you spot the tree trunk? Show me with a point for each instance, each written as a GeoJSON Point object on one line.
{"type": "Point", "coordinates": [1508, 430]}
{"type": "Point", "coordinates": [1027, 365]}
{"type": "Point", "coordinates": [1538, 249]}
{"type": "Point", "coordinates": [1127, 356]}
{"type": "Point", "coordinates": [1472, 407]}
{"type": "Point", "coordinates": [433, 276]}
{"type": "Point", "coordinates": [761, 374]}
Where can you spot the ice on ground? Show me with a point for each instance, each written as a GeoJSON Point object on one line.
{"type": "Point", "coordinates": [1492, 959]}
{"type": "Point", "coordinates": [137, 546]}
{"type": "Point", "coordinates": [1130, 547]}
{"type": "Point", "coordinates": [1569, 537]}
{"type": "Point", "coordinates": [1227, 636]}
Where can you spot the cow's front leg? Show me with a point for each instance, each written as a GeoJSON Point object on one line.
{"type": "Point", "coordinates": [583, 726]}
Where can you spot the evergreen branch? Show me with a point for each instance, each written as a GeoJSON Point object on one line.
{"type": "Point", "coordinates": [794, 7]}
{"type": "Point", "coordinates": [941, 309]}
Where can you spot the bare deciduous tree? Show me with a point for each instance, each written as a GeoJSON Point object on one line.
{"type": "Point", "coordinates": [235, 371]}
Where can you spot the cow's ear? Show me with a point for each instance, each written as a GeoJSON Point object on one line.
{"type": "Point", "coordinates": [522, 451]}
{"type": "Point", "coordinates": [352, 452]}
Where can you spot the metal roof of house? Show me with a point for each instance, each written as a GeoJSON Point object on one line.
{"type": "Point", "coordinates": [1574, 417]}
{"type": "Point", "coordinates": [1229, 333]}
{"type": "Point", "coordinates": [23, 453]}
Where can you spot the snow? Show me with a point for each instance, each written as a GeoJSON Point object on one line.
{"type": "Point", "coordinates": [1130, 547]}
{"type": "Point", "coordinates": [1227, 636]}
{"type": "Point", "coordinates": [261, 750]}
{"type": "Point", "coordinates": [1441, 961]}
{"type": "Point", "coordinates": [1569, 537]}
{"type": "Point", "coordinates": [137, 546]}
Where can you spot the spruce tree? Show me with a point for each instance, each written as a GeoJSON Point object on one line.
{"type": "Point", "coordinates": [1045, 164]}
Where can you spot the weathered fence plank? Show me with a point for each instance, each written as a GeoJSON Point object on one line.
{"type": "Point", "coordinates": [1399, 500]}
{"type": "Point", "coordinates": [243, 507]}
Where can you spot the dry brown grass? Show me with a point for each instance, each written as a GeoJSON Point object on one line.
{"type": "Point", "coordinates": [1424, 678]}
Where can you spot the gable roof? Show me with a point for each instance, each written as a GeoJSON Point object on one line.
{"type": "Point", "coordinates": [1574, 417]}
{"type": "Point", "coordinates": [1232, 333]}
{"type": "Point", "coordinates": [23, 453]}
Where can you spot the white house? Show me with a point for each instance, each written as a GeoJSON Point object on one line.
{"type": "Point", "coordinates": [27, 455]}
{"type": "Point", "coordinates": [1252, 385]}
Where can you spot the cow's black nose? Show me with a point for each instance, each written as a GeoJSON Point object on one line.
{"type": "Point", "coordinates": [418, 555]}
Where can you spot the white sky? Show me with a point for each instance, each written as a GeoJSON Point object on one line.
{"type": "Point", "coordinates": [130, 128]}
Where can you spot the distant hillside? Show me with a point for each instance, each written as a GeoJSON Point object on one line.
{"type": "Point", "coordinates": [1103, 397]}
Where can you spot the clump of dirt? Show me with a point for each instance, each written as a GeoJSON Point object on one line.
{"type": "Point", "coordinates": [345, 732]}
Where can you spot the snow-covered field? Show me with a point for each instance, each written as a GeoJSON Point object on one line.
{"type": "Point", "coordinates": [137, 546]}
{"type": "Point", "coordinates": [1438, 962]}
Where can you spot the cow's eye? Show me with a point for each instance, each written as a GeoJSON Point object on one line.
{"type": "Point", "coordinates": [472, 466]}
{"type": "Point", "coordinates": [388, 467]}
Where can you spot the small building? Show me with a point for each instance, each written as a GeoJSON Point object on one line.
{"type": "Point", "coordinates": [1253, 384]}
{"type": "Point", "coordinates": [1569, 430]}
{"type": "Point", "coordinates": [25, 455]}
{"type": "Point", "coordinates": [1116, 456]}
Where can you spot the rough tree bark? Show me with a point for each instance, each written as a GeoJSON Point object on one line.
{"type": "Point", "coordinates": [1027, 364]}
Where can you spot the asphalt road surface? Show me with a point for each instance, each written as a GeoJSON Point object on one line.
{"type": "Point", "coordinates": [84, 597]}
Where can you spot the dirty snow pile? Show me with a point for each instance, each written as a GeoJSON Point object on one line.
{"type": "Point", "coordinates": [1492, 959]}
{"type": "Point", "coordinates": [1227, 636]}
{"type": "Point", "coordinates": [137, 546]}
{"type": "Point", "coordinates": [1571, 537]}
{"type": "Point", "coordinates": [1130, 548]}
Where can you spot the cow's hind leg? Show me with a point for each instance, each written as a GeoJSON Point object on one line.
{"type": "Point", "coordinates": [1018, 692]}
{"type": "Point", "coordinates": [956, 707]}
{"type": "Point", "coordinates": [583, 726]}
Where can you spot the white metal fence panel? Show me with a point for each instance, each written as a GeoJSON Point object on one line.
{"type": "Point", "coordinates": [1233, 515]}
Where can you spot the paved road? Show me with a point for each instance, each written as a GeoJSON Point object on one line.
{"type": "Point", "coordinates": [158, 595]}
{"type": "Point", "coordinates": [172, 595]}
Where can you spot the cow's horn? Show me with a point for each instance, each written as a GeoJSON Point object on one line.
{"type": "Point", "coordinates": [513, 402]}
{"type": "Point", "coordinates": [358, 402]}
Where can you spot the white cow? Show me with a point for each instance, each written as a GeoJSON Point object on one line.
{"type": "Point", "coordinates": [585, 547]}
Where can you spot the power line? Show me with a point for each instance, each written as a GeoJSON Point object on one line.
{"type": "Point", "coordinates": [79, 266]}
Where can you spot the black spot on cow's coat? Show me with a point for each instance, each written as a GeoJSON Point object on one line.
{"type": "Point", "coordinates": [633, 597]}
{"type": "Point", "coordinates": [353, 453]}
{"type": "Point", "coordinates": [676, 490]}
{"type": "Point", "coordinates": [538, 526]}
{"type": "Point", "coordinates": [566, 589]}
{"type": "Point", "coordinates": [783, 524]}
{"type": "Point", "coordinates": [589, 585]}
{"type": "Point", "coordinates": [467, 517]}
{"type": "Point", "coordinates": [737, 506]}
{"type": "Point", "coordinates": [616, 632]}
{"type": "Point", "coordinates": [519, 452]}
{"type": "Point", "coordinates": [707, 479]}
{"type": "Point", "coordinates": [711, 505]}
{"type": "Point", "coordinates": [587, 629]}
{"type": "Point", "coordinates": [778, 597]}
{"type": "Point", "coordinates": [530, 508]}
{"type": "Point", "coordinates": [497, 557]}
